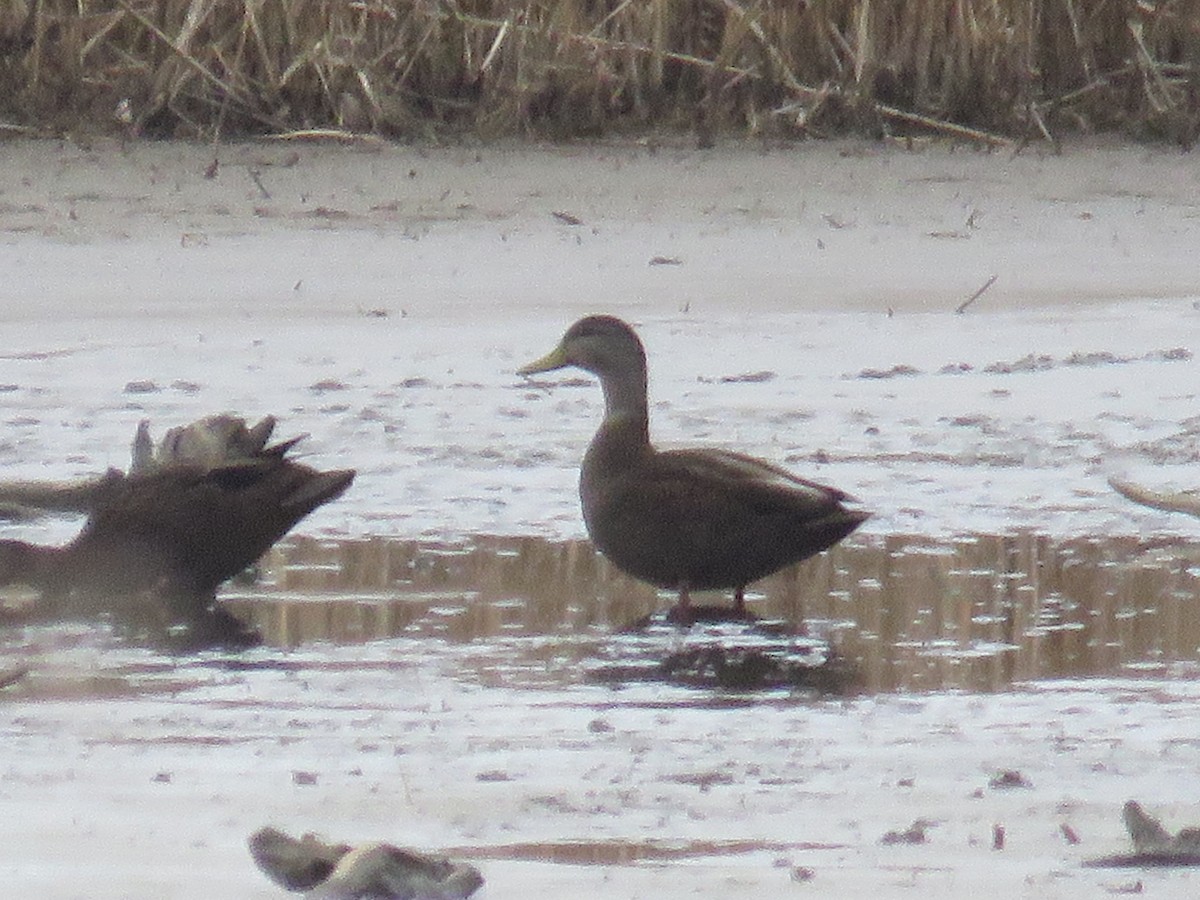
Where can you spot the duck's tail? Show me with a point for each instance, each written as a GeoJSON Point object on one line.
{"type": "Point", "coordinates": [835, 526]}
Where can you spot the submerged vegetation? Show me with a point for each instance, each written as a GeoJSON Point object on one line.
{"type": "Point", "coordinates": [983, 69]}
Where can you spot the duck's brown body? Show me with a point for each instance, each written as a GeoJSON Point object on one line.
{"type": "Point", "coordinates": [685, 519]}
{"type": "Point", "coordinates": [654, 522]}
{"type": "Point", "coordinates": [184, 531]}
{"type": "Point", "coordinates": [160, 542]}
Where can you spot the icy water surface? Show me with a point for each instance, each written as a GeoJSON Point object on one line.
{"type": "Point", "coordinates": [940, 424]}
{"type": "Point", "coordinates": [1003, 609]}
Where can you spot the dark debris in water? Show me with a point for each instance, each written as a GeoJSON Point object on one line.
{"type": "Point", "coordinates": [897, 371]}
{"type": "Point", "coordinates": [10, 675]}
{"type": "Point", "coordinates": [375, 871]}
{"type": "Point", "coordinates": [1035, 362]}
{"type": "Point", "coordinates": [759, 377]}
{"type": "Point", "coordinates": [1028, 363]}
{"type": "Point", "coordinates": [1042, 362]}
{"type": "Point", "coordinates": [916, 833]}
{"type": "Point", "coordinates": [1008, 779]}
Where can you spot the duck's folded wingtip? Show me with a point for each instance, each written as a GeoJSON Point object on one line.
{"type": "Point", "coordinates": [321, 488]}
{"type": "Point", "coordinates": [283, 446]}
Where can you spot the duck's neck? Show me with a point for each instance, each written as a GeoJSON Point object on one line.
{"type": "Point", "coordinates": [625, 404]}
{"type": "Point", "coordinates": [624, 436]}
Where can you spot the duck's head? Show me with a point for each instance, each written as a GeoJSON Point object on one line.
{"type": "Point", "coordinates": [602, 345]}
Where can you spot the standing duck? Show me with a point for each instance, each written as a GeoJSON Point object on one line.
{"type": "Point", "coordinates": [159, 542]}
{"type": "Point", "coordinates": [697, 519]}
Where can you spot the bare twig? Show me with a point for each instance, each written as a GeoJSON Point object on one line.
{"type": "Point", "coordinates": [962, 307]}
{"type": "Point", "coordinates": [8, 127]}
{"type": "Point", "coordinates": [1173, 501]}
{"type": "Point", "coordinates": [1041, 124]}
{"type": "Point", "coordinates": [601, 43]}
{"type": "Point", "coordinates": [1154, 85]}
{"type": "Point", "coordinates": [333, 135]}
{"type": "Point", "coordinates": [495, 48]}
{"type": "Point", "coordinates": [950, 128]}
{"type": "Point", "coordinates": [10, 675]}
{"type": "Point", "coordinates": [227, 89]}
{"type": "Point", "coordinates": [256, 177]}
{"type": "Point", "coordinates": [22, 498]}
{"type": "Point", "coordinates": [789, 78]}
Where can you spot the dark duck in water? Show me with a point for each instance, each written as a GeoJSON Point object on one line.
{"type": "Point", "coordinates": [696, 519]}
{"type": "Point", "coordinates": [159, 541]}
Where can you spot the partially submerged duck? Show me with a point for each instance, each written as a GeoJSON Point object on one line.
{"type": "Point", "coordinates": [697, 519]}
{"type": "Point", "coordinates": [211, 441]}
{"type": "Point", "coordinates": [159, 542]}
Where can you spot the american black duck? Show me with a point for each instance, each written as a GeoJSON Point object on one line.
{"type": "Point", "coordinates": [211, 441]}
{"type": "Point", "coordinates": [697, 519]}
{"type": "Point", "coordinates": [159, 542]}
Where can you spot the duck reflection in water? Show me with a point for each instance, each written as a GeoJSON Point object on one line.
{"type": "Point", "coordinates": [160, 541]}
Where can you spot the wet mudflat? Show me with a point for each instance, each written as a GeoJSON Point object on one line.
{"type": "Point", "coordinates": [446, 667]}
{"type": "Point", "coordinates": [456, 697]}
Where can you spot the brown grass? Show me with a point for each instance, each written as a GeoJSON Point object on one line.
{"type": "Point", "coordinates": [982, 69]}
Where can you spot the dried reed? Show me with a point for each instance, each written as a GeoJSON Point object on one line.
{"type": "Point", "coordinates": [981, 70]}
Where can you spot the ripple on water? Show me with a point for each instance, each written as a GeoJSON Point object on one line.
{"type": "Point", "coordinates": [901, 613]}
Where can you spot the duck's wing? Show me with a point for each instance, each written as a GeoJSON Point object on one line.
{"type": "Point", "coordinates": [252, 440]}
{"type": "Point", "coordinates": [756, 482]}
{"type": "Point", "coordinates": [212, 441]}
{"type": "Point", "coordinates": [197, 525]}
{"type": "Point", "coordinates": [267, 486]}
{"type": "Point", "coordinates": [143, 449]}
{"type": "Point", "coordinates": [282, 447]}
{"type": "Point", "coordinates": [317, 490]}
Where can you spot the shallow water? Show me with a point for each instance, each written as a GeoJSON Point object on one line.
{"type": "Point", "coordinates": [902, 613]}
{"type": "Point", "coordinates": [939, 424]}
{"type": "Point", "coordinates": [1002, 610]}
{"type": "Point", "coordinates": [481, 698]}
{"type": "Point", "coordinates": [905, 612]}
